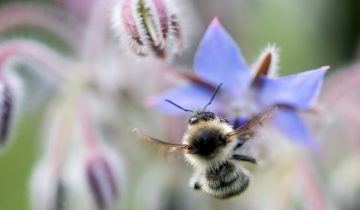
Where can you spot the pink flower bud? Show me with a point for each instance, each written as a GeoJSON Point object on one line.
{"type": "Point", "coordinates": [6, 112]}
{"type": "Point", "coordinates": [149, 27]}
{"type": "Point", "coordinates": [47, 190]}
{"type": "Point", "coordinates": [101, 172]}
{"type": "Point", "coordinates": [102, 182]}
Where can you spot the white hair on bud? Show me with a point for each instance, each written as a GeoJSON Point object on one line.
{"type": "Point", "coordinates": [11, 89]}
{"type": "Point", "coordinates": [153, 38]}
{"type": "Point", "coordinates": [120, 31]}
{"type": "Point", "coordinates": [188, 22]}
{"type": "Point", "coordinates": [43, 186]}
{"type": "Point", "coordinates": [80, 194]}
{"type": "Point", "coordinates": [274, 63]}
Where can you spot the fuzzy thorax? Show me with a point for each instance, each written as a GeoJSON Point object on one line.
{"type": "Point", "coordinates": [209, 131]}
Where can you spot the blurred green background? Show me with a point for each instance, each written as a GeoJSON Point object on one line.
{"type": "Point", "coordinates": [309, 33]}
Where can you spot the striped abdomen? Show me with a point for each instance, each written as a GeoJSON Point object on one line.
{"type": "Point", "coordinates": [225, 180]}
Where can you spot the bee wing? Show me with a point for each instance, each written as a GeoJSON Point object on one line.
{"type": "Point", "coordinates": [168, 147]}
{"type": "Point", "coordinates": [248, 128]}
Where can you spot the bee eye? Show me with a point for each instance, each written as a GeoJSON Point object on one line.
{"type": "Point", "coordinates": [211, 115]}
{"type": "Point", "coordinates": [193, 120]}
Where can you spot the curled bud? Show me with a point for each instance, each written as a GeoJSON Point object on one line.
{"type": "Point", "coordinates": [6, 112]}
{"type": "Point", "coordinates": [102, 182]}
{"type": "Point", "coordinates": [92, 179]}
{"type": "Point", "coordinates": [47, 189]}
{"type": "Point", "coordinates": [148, 27]}
{"type": "Point", "coordinates": [100, 165]}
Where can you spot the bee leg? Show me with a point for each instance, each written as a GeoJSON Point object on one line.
{"type": "Point", "coordinates": [242, 139]}
{"type": "Point", "coordinates": [195, 183]}
{"type": "Point", "coordinates": [238, 145]}
{"type": "Point", "coordinates": [197, 186]}
{"type": "Point", "coordinates": [244, 158]}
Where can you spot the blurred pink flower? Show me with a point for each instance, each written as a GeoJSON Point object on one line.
{"type": "Point", "coordinates": [82, 8]}
{"type": "Point", "coordinates": [92, 68]}
{"type": "Point", "coordinates": [341, 94]}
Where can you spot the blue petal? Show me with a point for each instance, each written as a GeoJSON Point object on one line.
{"type": "Point", "coordinates": [191, 97]}
{"type": "Point", "coordinates": [236, 122]}
{"type": "Point", "coordinates": [290, 124]}
{"type": "Point", "coordinates": [218, 60]}
{"type": "Point", "coordinates": [299, 90]}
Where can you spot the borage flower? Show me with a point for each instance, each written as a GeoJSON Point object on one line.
{"type": "Point", "coordinates": [245, 93]}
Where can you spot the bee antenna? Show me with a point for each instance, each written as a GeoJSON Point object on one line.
{"type": "Point", "coordinates": [213, 96]}
{"type": "Point", "coordinates": [186, 110]}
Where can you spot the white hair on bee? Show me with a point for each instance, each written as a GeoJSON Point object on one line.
{"type": "Point", "coordinates": [269, 58]}
{"type": "Point", "coordinates": [238, 177]}
{"type": "Point", "coordinates": [211, 146]}
{"type": "Point", "coordinates": [198, 161]}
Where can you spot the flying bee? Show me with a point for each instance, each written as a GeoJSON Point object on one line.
{"type": "Point", "coordinates": [211, 146]}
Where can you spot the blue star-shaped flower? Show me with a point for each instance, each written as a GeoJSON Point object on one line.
{"type": "Point", "coordinates": [243, 93]}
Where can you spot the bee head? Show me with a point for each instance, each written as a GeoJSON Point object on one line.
{"type": "Point", "coordinates": [207, 141]}
{"type": "Point", "coordinates": [201, 116]}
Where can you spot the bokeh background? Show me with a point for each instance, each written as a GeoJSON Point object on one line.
{"type": "Point", "coordinates": [309, 33]}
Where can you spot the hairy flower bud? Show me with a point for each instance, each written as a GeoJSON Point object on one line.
{"type": "Point", "coordinates": [267, 63]}
{"type": "Point", "coordinates": [93, 179]}
{"type": "Point", "coordinates": [47, 190]}
{"type": "Point", "coordinates": [102, 182]}
{"type": "Point", "coordinates": [148, 27]}
{"type": "Point", "coordinates": [6, 112]}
